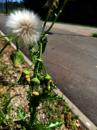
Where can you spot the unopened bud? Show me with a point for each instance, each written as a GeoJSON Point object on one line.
{"type": "Point", "coordinates": [35, 93]}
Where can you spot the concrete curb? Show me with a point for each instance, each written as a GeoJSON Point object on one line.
{"type": "Point", "coordinates": [85, 121]}
{"type": "Point", "coordinates": [81, 30]}
{"type": "Point", "coordinates": [89, 125]}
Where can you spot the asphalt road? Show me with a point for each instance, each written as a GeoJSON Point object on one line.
{"type": "Point", "coordinates": [72, 59]}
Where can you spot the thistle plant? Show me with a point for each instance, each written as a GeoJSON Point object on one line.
{"type": "Point", "coordinates": [41, 83]}
{"type": "Point", "coordinates": [27, 29]}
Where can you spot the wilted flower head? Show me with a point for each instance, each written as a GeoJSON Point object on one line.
{"type": "Point", "coordinates": [25, 25]}
{"type": "Point", "coordinates": [54, 2]}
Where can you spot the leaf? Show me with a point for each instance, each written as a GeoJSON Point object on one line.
{"type": "Point", "coordinates": [55, 125]}
{"type": "Point", "coordinates": [2, 118]}
{"type": "Point", "coordinates": [21, 115]}
{"type": "Point", "coordinates": [26, 71]}
{"type": "Point", "coordinates": [17, 57]}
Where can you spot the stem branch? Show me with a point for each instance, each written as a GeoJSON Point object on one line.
{"type": "Point", "coordinates": [49, 12]}
{"type": "Point", "coordinates": [4, 47]}
{"type": "Point", "coordinates": [56, 17]}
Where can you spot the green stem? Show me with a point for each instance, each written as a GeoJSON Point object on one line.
{"type": "Point", "coordinates": [49, 12]}
{"type": "Point", "coordinates": [5, 109]}
{"type": "Point", "coordinates": [44, 68]}
{"type": "Point", "coordinates": [40, 54]}
{"type": "Point", "coordinates": [33, 114]}
{"type": "Point", "coordinates": [5, 36]}
{"type": "Point", "coordinates": [37, 66]}
{"type": "Point", "coordinates": [8, 42]}
{"type": "Point", "coordinates": [4, 47]}
{"type": "Point", "coordinates": [56, 17]}
{"type": "Point", "coordinates": [17, 46]}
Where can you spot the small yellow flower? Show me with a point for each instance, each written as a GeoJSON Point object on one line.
{"type": "Point", "coordinates": [50, 84]}
{"type": "Point", "coordinates": [35, 93]}
{"type": "Point", "coordinates": [27, 77]}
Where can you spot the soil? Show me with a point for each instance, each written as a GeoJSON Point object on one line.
{"type": "Point", "coordinates": [9, 75]}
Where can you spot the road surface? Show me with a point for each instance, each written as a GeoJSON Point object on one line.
{"type": "Point", "coordinates": [71, 58]}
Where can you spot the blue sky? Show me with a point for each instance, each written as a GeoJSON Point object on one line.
{"type": "Point", "coordinates": [10, 0]}
{"type": "Point", "coordinates": [17, 0]}
{"type": "Point", "coordinates": [14, 0]}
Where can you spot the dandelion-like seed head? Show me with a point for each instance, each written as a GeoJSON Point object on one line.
{"type": "Point", "coordinates": [25, 25]}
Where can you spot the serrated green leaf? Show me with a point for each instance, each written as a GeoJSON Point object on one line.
{"type": "Point", "coordinates": [21, 115]}
{"type": "Point", "coordinates": [17, 57]}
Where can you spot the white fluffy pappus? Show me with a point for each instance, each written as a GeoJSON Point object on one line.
{"type": "Point", "coordinates": [25, 25]}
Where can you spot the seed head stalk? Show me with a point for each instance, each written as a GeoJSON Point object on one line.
{"type": "Point", "coordinates": [37, 65]}
{"type": "Point", "coordinates": [56, 17]}
{"type": "Point", "coordinates": [49, 12]}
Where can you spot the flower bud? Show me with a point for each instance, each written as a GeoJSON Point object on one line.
{"type": "Point", "coordinates": [35, 80]}
{"type": "Point", "coordinates": [48, 77]}
{"type": "Point", "coordinates": [27, 77]}
{"type": "Point", "coordinates": [35, 93]}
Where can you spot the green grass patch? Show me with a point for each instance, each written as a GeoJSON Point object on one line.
{"type": "Point", "coordinates": [94, 35]}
